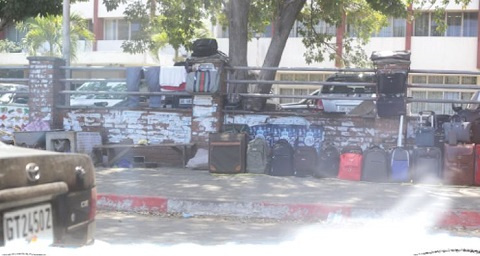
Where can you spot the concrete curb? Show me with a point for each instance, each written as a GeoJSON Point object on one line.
{"type": "Point", "coordinates": [161, 205]}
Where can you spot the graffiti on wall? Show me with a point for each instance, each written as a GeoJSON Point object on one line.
{"type": "Point", "coordinates": [12, 118]}
{"type": "Point", "coordinates": [137, 126]}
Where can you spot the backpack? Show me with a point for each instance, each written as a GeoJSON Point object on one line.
{"type": "Point", "coordinates": [258, 156]}
{"type": "Point", "coordinates": [282, 159]}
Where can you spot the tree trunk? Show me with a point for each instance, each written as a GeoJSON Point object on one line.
{"type": "Point", "coordinates": [238, 23]}
{"type": "Point", "coordinates": [288, 10]}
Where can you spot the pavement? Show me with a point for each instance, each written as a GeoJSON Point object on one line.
{"type": "Point", "coordinates": [169, 190]}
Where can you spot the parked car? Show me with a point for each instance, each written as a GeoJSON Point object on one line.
{"type": "Point", "coordinates": [349, 92]}
{"type": "Point", "coordinates": [105, 99]}
{"type": "Point", "coordinates": [46, 198]}
{"type": "Point", "coordinates": [18, 94]}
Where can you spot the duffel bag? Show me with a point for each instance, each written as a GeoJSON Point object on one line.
{"type": "Point", "coordinates": [461, 129]}
{"type": "Point", "coordinates": [204, 47]}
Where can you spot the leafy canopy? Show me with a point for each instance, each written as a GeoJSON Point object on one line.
{"type": "Point", "coordinates": [48, 30]}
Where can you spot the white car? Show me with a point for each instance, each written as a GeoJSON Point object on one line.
{"type": "Point", "coordinates": [345, 93]}
{"type": "Point", "coordinates": [99, 99]}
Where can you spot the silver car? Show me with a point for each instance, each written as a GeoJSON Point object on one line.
{"type": "Point", "coordinates": [346, 94]}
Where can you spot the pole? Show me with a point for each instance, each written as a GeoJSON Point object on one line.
{"type": "Point", "coordinates": [66, 45]}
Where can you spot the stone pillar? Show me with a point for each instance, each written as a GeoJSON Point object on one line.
{"type": "Point", "coordinates": [207, 117]}
{"type": "Point", "coordinates": [44, 81]}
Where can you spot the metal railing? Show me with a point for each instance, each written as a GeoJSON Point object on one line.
{"type": "Point", "coordinates": [99, 77]}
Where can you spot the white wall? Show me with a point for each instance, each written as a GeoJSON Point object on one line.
{"type": "Point", "coordinates": [84, 9]}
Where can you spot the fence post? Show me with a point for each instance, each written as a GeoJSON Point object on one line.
{"type": "Point", "coordinates": [207, 117]}
{"type": "Point", "coordinates": [44, 82]}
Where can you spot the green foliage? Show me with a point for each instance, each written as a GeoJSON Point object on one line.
{"type": "Point", "coordinates": [48, 29]}
{"type": "Point", "coordinates": [9, 46]}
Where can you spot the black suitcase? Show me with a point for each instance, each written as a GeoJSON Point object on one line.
{"type": "Point", "coordinates": [375, 165]}
{"type": "Point", "coordinates": [282, 159]}
{"type": "Point", "coordinates": [227, 152]}
{"type": "Point", "coordinates": [391, 105]}
{"type": "Point", "coordinates": [391, 83]}
{"type": "Point", "coordinates": [328, 162]}
{"type": "Point", "coordinates": [305, 161]}
{"type": "Point", "coordinates": [425, 131]}
{"type": "Point", "coordinates": [427, 165]}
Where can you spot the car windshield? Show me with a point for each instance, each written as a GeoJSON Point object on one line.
{"type": "Point", "coordinates": [349, 89]}
{"type": "Point", "coordinates": [101, 87]}
{"type": "Point", "coordinates": [20, 96]}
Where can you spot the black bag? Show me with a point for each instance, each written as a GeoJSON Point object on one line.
{"type": "Point", "coordinates": [328, 162]}
{"type": "Point", "coordinates": [204, 47]}
{"type": "Point", "coordinates": [391, 105]}
{"type": "Point", "coordinates": [282, 159]}
{"type": "Point", "coordinates": [305, 161]}
{"type": "Point", "coordinates": [427, 165]}
{"type": "Point", "coordinates": [375, 165]}
{"type": "Point", "coordinates": [391, 83]}
{"type": "Point", "coordinates": [425, 131]}
{"type": "Point", "coordinates": [395, 55]}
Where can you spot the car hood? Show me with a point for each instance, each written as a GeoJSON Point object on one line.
{"type": "Point", "coordinates": [53, 167]}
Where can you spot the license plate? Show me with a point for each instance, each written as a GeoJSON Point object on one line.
{"type": "Point", "coordinates": [185, 101]}
{"type": "Point", "coordinates": [345, 109]}
{"type": "Point", "coordinates": [33, 225]}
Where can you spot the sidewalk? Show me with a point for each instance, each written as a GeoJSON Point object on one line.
{"type": "Point", "coordinates": [195, 192]}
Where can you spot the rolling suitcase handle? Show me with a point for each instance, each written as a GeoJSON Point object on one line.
{"type": "Point", "coordinates": [428, 114]}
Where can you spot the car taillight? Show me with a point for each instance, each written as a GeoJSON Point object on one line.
{"type": "Point", "coordinates": [320, 104]}
{"type": "Point", "coordinates": [93, 204]}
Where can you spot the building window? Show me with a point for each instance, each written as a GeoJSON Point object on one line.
{"type": "Point", "coordinates": [396, 28]}
{"type": "Point", "coordinates": [13, 34]}
{"type": "Point", "coordinates": [458, 24]}
{"type": "Point", "coordinates": [120, 29]}
{"type": "Point", "coordinates": [454, 24]}
{"type": "Point", "coordinates": [470, 24]}
{"type": "Point", "coordinates": [421, 24]}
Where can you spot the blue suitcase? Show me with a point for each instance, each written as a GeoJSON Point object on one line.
{"type": "Point", "coordinates": [400, 165]}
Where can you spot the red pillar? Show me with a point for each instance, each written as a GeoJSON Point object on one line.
{"type": "Point", "coordinates": [339, 43]}
{"type": "Point", "coordinates": [2, 34]}
{"type": "Point", "coordinates": [97, 25]}
{"type": "Point", "coordinates": [409, 32]}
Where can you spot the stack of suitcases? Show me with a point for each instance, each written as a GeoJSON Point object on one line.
{"type": "Point", "coordinates": [427, 157]}
{"type": "Point", "coordinates": [459, 157]}
{"type": "Point", "coordinates": [392, 71]}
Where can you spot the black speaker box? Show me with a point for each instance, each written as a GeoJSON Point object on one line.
{"type": "Point", "coordinates": [227, 152]}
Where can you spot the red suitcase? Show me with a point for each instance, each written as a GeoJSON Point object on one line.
{"type": "Point", "coordinates": [350, 164]}
{"type": "Point", "coordinates": [458, 164]}
{"type": "Point", "coordinates": [477, 165]}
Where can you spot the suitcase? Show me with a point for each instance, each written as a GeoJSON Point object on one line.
{"type": "Point", "coordinates": [328, 162]}
{"type": "Point", "coordinates": [350, 167]}
{"type": "Point", "coordinates": [400, 165]}
{"type": "Point", "coordinates": [203, 81]}
{"type": "Point", "coordinates": [227, 152]}
{"type": "Point", "coordinates": [476, 180]}
{"type": "Point", "coordinates": [282, 159]}
{"type": "Point", "coordinates": [425, 131]}
{"type": "Point", "coordinates": [461, 129]}
{"type": "Point", "coordinates": [258, 156]}
{"type": "Point", "coordinates": [305, 161]}
{"type": "Point", "coordinates": [458, 164]}
{"type": "Point", "coordinates": [400, 159]}
{"type": "Point", "coordinates": [427, 164]}
{"type": "Point", "coordinates": [375, 165]}
{"type": "Point", "coordinates": [391, 105]}
{"type": "Point", "coordinates": [391, 83]}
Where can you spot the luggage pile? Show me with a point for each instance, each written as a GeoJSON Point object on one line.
{"type": "Point", "coordinates": [392, 69]}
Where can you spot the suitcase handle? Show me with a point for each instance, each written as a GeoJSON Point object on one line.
{"type": "Point", "coordinates": [427, 114]}
{"type": "Point", "coordinates": [458, 118]}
